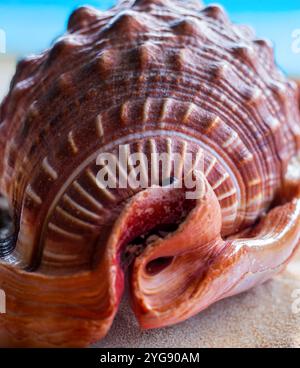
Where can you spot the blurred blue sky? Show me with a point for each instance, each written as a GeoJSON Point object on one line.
{"type": "Point", "coordinates": [31, 25]}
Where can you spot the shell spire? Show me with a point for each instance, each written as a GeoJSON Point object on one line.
{"type": "Point", "coordinates": [156, 79]}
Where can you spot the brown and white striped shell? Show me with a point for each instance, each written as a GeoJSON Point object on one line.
{"type": "Point", "coordinates": [155, 76]}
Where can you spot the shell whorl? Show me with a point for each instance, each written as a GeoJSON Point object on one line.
{"type": "Point", "coordinates": [156, 76]}
{"type": "Point", "coordinates": [151, 65]}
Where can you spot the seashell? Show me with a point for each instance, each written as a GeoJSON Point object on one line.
{"type": "Point", "coordinates": [153, 77]}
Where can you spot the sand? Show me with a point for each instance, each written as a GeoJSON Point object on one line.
{"type": "Point", "coordinates": [262, 317]}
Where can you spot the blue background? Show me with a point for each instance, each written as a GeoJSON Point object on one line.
{"type": "Point", "coordinates": [31, 25]}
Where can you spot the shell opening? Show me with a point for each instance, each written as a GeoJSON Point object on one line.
{"type": "Point", "coordinates": [157, 265]}
{"type": "Point", "coordinates": [169, 181]}
{"type": "Point", "coordinates": [139, 244]}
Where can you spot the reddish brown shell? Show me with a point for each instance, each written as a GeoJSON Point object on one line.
{"type": "Point", "coordinates": [156, 76]}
